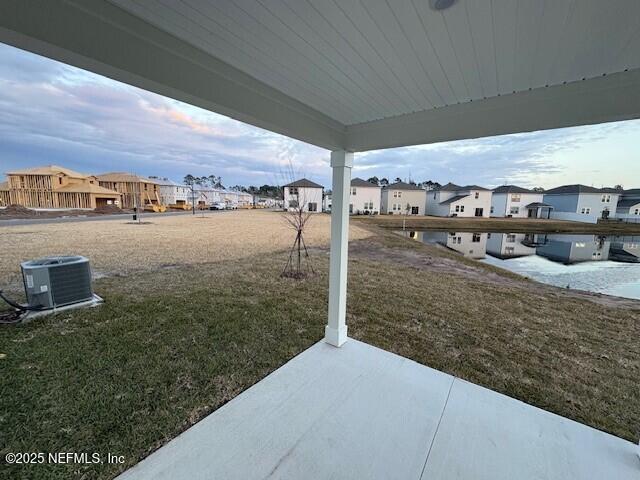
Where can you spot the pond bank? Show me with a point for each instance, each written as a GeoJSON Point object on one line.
{"type": "Point", "coordinates": [504, 225]}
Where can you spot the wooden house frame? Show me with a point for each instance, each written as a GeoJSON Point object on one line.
{"type": "Point", "coordinates": [136, 191]}
{"type": "Point", "coordinates": [54, 187]}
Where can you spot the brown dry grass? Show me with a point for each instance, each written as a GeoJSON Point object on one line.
{"type": "Point", "coordinates": [165, 349]}
{"type": "Point", "coordinates": [505, 225]}
{"type": "Point", "coordinates": [120, 247]}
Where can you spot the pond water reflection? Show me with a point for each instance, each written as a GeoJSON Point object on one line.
{"type": "Point", "coordinates": [597, 263]}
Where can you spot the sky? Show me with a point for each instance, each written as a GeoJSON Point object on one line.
{"type": "Point", "coordinates": [52, 113]}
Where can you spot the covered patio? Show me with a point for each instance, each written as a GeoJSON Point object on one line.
{"type": "Point", "coordinates": [351, 77]}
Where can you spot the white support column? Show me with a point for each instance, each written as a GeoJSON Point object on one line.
{"type": "Point", "coordinates": [336, 330]}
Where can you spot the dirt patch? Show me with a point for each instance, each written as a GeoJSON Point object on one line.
{"type": "Point", "coordinates": [108, 210]}
{"type": "Point", "coordinates": [17, 211]}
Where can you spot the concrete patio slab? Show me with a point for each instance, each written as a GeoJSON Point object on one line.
{"type": "Point", "coordinates": [361, 412]}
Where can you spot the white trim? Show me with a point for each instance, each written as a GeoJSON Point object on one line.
{"type": "Point", "coordinates": [336, 329]}
{"type": "Point", "coordinates": [602, 99]}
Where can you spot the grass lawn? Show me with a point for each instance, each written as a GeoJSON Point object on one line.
{"type": "Point", "coordinates": [173, 344]}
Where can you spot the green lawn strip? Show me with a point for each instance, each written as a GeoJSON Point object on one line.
{"type": "Point", "coordinates": [169, 347]}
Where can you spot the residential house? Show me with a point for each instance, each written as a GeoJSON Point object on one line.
{"type": "Point", "coordinates": [570, 249]}
{"type": "Point", "coordinates": [52, 186]}
{"type": "Point", "coordinates": [243, 199]}
{"type": "Point", "coordinates": [469, 244]}
{"type": "Point", "coordinates": [582, 203]}
{"type": "Point", "coordinates": [509, 245]}
{"type": "Point", "coordinates": [629, 205]}
{"type": "Point", "coordinates": [625, 249]}
{"type": "Point", "coordinates": [173, 194]}
{"type": "Point", "coordinates": [402, 198]}
{"type": "Point", "coordinates": [518, 202]}
{"type": "Point", "coordinates": [453, 200]}
{"type": "Point", "coordinates": [305, 193]}
{"type": "Point", "coordinates": [364, 197]}
{"type": "Point", "coordinates": [326, 202]}
{"type": "Point", "coordinates": [136, 191]}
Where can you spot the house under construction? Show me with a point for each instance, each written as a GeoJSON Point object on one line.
{"type": "Point", "coordinates": [136, 191]}
{"type": "Point", "coordinates": [53, 186]}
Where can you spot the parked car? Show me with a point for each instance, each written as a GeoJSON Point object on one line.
{"type": "Point", "coordinates": [232, 206]}
{"type": "Point", "coordinates": [218, 206]}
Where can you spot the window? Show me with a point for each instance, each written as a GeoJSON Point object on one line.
{"type": "Point", "coordinates": [477, 195]}
{"type": "Point", "coordinates": [586, 210]}
{"type": "Point", "coordinates": [509, 250]}
{"type": "Point", "coordinates": [462, 208]}
{"type": "Point", "coordinates": [293, 204]}
{"type": "Point", "coordinates": [491, 211]}
{"type": "Point", "coordinates": [293, 190]}
{"type": "Point", "coordinates": [606, 198]}
{"type": "Point", "coordinates": [434, 195]}
{"type": "Point", "coordinates": [457, 208]}
{"type": "Point", "coordinates": [353, 190]}
{"type": "Point", "coordinates": [511, 238]}
{"type": "Point", "coordinates": [636, 211]}
{"type": "Point", "coordinates": [514, 210]}
{"type": "Point", "coordinates": [397, 194]}
{"type": "Point", "coordinates": [60, 181]}
{"type": "Point", "coordinates": [580, 244]}
{"type": "Point", "coordinates": [515, 197]}
{"type": "Point", "coordinates": [475, 238]}
{"type": "Point", "coordinates": [313, 207]}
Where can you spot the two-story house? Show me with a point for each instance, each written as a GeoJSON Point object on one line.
{"type": "Point", "coordinates": [629, 205]}
{"type": "Point", "coordinates": [173, 194]}
{"type": "Point", "coordinates": [581, 203]}
{"type": "Point", "coordinates": [303, 193]}
{"type": "Point", "coordinates": [518, 202]}
{"type": "Point", "coordinates": [402, 198]}
{"type": "Point", "coordinates": [364, 197]}
{"type": "Point", "coordinates": [453, 200]}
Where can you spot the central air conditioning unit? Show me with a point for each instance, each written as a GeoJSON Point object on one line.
{"type": "Point", "coordinates": [53, 282]}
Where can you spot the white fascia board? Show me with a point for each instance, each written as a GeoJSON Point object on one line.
{"type": "Point", "coordinates": [103, 38]}
{"type": "Point", "coordinates": [608, 98]}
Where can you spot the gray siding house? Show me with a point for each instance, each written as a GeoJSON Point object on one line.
{"type": "Point", "coordinates": [581, 203]}
{"type": "Point", "coordinates": [629, 205]}
{"type": "Point", "coordinates": [403, 198]}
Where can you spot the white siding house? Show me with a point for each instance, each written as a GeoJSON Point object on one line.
{"type": "Point", "coordinates": [452, 200]}
{"type": "Point", "coordinates": [305, 193]}
{"type": "Point", "coordinates": [172, 193]}
{"type": "Point", "coordinates": [581, 203]}
{"type": "Point", "coordinates": [629, 205]}
{"type": "Point", "coordinates": [518, 202]}
{"type": "Point", "coordinates": [402, 198]}
{"type": "Point", "coordinates": [326, 202]}
{"type": "Point", "coordinates": [364, 197]}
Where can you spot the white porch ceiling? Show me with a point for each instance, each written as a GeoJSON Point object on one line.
{"type": "Point", "coordinates": [362, 60]}
{"type": "Point", "coordinates": [357, 74]}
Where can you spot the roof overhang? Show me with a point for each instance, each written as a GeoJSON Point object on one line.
{"type": "Point", "coordinates": [99, 36]}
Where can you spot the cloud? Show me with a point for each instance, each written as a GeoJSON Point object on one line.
{"type": "Point", "coordinates": [54, 113]}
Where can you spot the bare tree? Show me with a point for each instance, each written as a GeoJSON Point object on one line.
{"type": "Point", "coordinates": [297, 216]}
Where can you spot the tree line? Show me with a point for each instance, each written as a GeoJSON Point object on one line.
{"type": "Point", "coordinates": [214, 181]}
